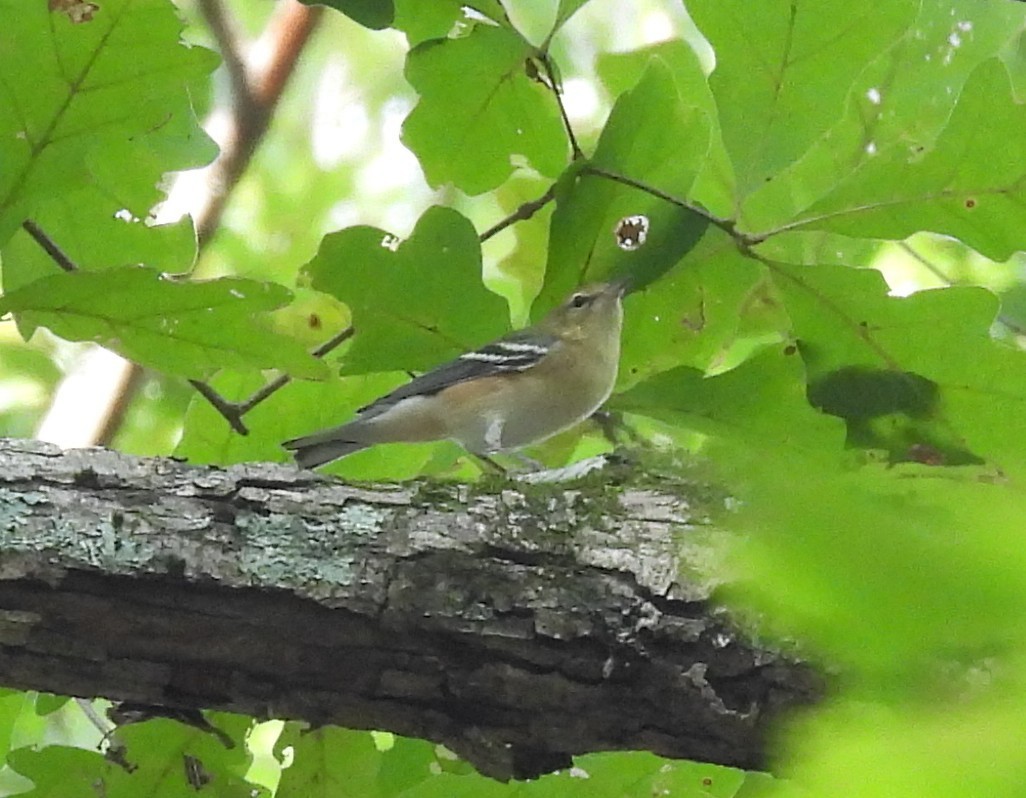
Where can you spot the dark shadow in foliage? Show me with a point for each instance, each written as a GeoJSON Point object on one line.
{"type": "Point", "coordinates": [895, 411]}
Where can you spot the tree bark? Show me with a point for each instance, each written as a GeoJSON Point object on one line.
{"type": "Point", "coordinates": [516, 623]}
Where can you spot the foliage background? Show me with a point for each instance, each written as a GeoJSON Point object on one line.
{"type": "Point", "coordinates": [829, 312]}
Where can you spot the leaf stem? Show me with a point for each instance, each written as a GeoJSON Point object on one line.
{"type": "Point", "coordinates": [556, 87]}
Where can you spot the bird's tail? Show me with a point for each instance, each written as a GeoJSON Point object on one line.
{"type": "Point", "coordinates": [311, 451]}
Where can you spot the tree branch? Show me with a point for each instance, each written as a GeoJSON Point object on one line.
{"type": "Point", "coordinates": [234, 411]}
{"type": "Point", "coordinates": [228, 410]}
{"type": "Point", "coordinates": [282, 380]}
{"type": "Point", "coordinates": [517, 626]}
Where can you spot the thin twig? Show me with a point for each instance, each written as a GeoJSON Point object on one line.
{"type": "Point", "coordinates": [234, 411]}
{"type": "Point", "coordinates": [726, 225]}
{"type": "Point", "coordinates": [104, 727]}
{"type": "Point", "coordinates": [281, 381]}
{"type": "Point", "coordinates": [524, 212]}
{"type": "Point", "coordinates": [48, 244]}
{"type": "Point", "coordinates": [230, 410]}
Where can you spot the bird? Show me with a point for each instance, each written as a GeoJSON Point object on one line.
{"type": "Point", "coordinates": [513, 392]}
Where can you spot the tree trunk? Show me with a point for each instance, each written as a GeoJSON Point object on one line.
{"type": "Point", "coordinates": [516, 624]}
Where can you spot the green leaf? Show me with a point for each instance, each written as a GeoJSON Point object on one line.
{"type": "Point", "coordinates": [59, 770]}
{"type": "Point", "coordinates": [79, 101]}
{"type": "Point", "coordinates": [47, 703]}
{"type": "Point", "coordinates": [416, 304]}
{"type": "Point", "coordinates": [714, 186]}
{"type": "Point", "coordinates": [606, 775]}
{"type": "Point", "coordinates": [901, 101]}
{"type": "Point", "coordinates": [158, 748]}
{"type": "Point", "coordinates": [690, 282]}
{"type": "Point", "coordinates": [653, 137]}
{"type": "Point", "coordinates": [566, 9]}
{"type": "Point", "coordinates": [439, 19]}
{"type": "Point", "coordinates": [28, 727]}
{"type": "Point", "coordinates": [964, 748]}
{"type": "Point", "coordinates": [829, 555]}
{"type": "Point", "coordinates": [334, 761]}
{"type": "Point", "coordinates": [784, 69]}
{"type": "Point", "coordinates": [695, 314]}
{"type": "Point", "coordinates": [14, 707]}
{"type": "Point", "coordinates": [187, 328]}
{"type": "Point", "coordinates": [829, 547]}
{"type": "Point", "coordinates": [373, 14]}
{"type": "Point", "coordinates": [96, 243]}
{"type": "Point", "coordinates": [479, 111]}
{"type": "Point", "coordinates": [970, 184]}
{"type": "Point", "coordinates": [758, 408]}
{"type": "Point", "coordinates": [423, 21]}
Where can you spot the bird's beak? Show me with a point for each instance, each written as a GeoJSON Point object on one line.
{"type": "Point", "coordinates": [621, 285]}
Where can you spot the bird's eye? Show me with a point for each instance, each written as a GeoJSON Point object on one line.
{"type": "Point", "coordinates": [579, 300]}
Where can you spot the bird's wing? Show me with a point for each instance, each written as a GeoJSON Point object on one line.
{"type": "Point", "coordinates": [515, 352]}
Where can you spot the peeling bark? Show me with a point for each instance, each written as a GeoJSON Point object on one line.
{"type": "Point", "coordinates": [517, 626]}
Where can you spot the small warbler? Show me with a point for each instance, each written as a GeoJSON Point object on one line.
{"type": "Point", "coordinates": [521, 389]}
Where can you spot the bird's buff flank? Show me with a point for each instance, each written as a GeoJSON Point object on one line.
{"type": "Point", "coordinates": [516, 391]}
